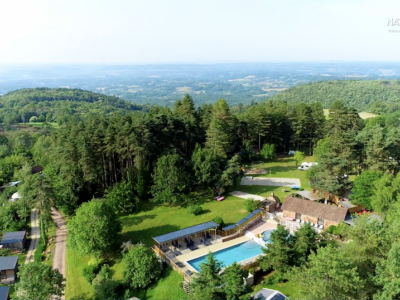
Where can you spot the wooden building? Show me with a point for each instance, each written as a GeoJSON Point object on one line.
{"type": "Point", "coordinates": [8, 268]}
{"type": "Point", "coordinates": [314, 212]}
{"type": "Point", "coordinates": [15, 240]}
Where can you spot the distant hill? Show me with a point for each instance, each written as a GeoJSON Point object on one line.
{"type": "Point", "coordinates": [374, 96]}
{"type": "Point", "coordinates": [53, 104]}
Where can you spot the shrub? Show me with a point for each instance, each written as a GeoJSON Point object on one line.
{"type": "Point", "coordinates": [331, 229]}
{"type": "Point", "coordinates": [252, 271]}
{"type": "Point", "coordinates": [219, 221]}
{"type": "Point", "coordinates": [268, 152]}
{"type": "Point", "coordinates": [251, 204]}
{"type": "Point", "coordinates": [89, 273]}
{"type": "Point", "coordinates": [5, 252]}
{"type": "Point", "coordinates": [104, 275]}
{"type": "Point", "coordinates": [195, 209]}
{"type": "Point", "coordinates": [37, 256]}
{"type": "Point", "coordinates": [275, 278]}
{"type": "Point", "coordinates": [96, 262]}
{"type": "Point", "coordinates": [33, 119]}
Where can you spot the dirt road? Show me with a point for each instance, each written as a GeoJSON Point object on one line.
{"type": "Point", "coordinates": [35, 235]}
{"type": "Point", "coordinates": [60, 243]}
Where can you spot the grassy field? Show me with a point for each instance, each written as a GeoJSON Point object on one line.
{"type": "Point", "coordinates": [39, 124]}
{"type": "Point", "coordinates": [157, 220]}
{"type": "Point", "coordinates": [141, 227]}
{"type": "Point", "coordinates": [77, 286]}
{"type": "Point", "coordinates": [167, 288]}
{"type": "Point", "coordinates": [154, 220]}
{"type": "Point", "coordinates": [363, 114]}
{"type": "Point", "coordinates": [282, 168]}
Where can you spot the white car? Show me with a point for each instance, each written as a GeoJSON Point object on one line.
{"type": "Point", "coordinates": [306, 165]}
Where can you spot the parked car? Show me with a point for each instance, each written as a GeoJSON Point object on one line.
{"type": "Point", "coordinates": [291, 152]}
{"type": "Point", "coordinates": [306, 165]}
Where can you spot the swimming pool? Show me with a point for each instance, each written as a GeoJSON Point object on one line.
{"type": "Point", "coordinates": [266, 235]}
{"type": "Point", "coordinates": [231, 254]}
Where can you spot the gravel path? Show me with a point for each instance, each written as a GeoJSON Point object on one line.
{"type": "Point", "coordinates": [59, 257]}
{"type": "Point", "coordinates": [35, 235]}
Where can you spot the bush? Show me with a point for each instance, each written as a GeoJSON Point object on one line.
{"type": "Point", "coordinates": [104, 275]}
{"type": "Point", "coordinates": [252, 271]}
{"type": "Point", "coordinates": [275, 278]}
{"type": "Point", "coordinates": [33, 119]}
{"type": "Point", "coordinates": [251, 204]}
{"type": "Point", "coordinates": [195, 209]}
{"type": "Point", "coordinates": [331, 229]}
{"type": "Point", "coordinates": [96, 262]}
{"type": "Point", "coordinates": [5, 252]}
{"type": "Point", "coordinates": [268, 152]}
{"type": "Point", "coordinates": [219, 221]}
{"type": "Point", "coordinates": [89, 273]}
{"type": "Point", "coordinates": [37, 256]}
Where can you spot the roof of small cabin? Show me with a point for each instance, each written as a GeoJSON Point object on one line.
{"type": "Point", "coordinates": [4, 292]}
{"type": "Point", "coordinates": [347, 204]}
{"type": "Point", "coordinates": [268, 294]}
{"type": "Point", "coordinates": [13, 237]}
{"type": "Point", "coordinates": [310, 195]}
{"type": "Point", "coordinates": [185, 232]}
{"type": "Point", "coordinates": [315, 209]}
{"type": "Point", "coordinates": [8, 262]}
{"type": "Point", "coordinates": [230, 227]}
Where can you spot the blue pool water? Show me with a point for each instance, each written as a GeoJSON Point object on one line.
{"type": "Point", "coordinates": [266, 235]}
{"type": "Point", "coordinates": [230, 255]}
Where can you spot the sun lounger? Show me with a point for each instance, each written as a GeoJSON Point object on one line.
{"type": "Point", "coordinates": [180, 265]}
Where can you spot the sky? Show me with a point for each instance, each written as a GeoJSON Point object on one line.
{"type": "Point", "coordinates": [196, 31]}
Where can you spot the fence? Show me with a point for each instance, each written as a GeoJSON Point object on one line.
{"type": "Point", "coordinates": [171, 263]}
{"type": "Point", "coordinates": [249, 223]}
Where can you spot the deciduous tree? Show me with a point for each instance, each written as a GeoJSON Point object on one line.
{"type": "Point", "coordinates": [38, 281]}
{"type": "Point", "coordinates": [141, 267]}
{"type": "Point", "coordinates": [94, 229]}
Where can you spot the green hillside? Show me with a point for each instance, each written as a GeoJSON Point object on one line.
{"type": "Point", "coordinates": [375, 96]}
{"type": "Point", "coordinates": [58, 104]}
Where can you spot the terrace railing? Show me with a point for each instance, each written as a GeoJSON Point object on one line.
{"type": "Point", "coordinates": [170, 262]}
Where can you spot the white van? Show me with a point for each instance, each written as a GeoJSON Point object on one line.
{"type": "Point", "coordinates": [306, 165]}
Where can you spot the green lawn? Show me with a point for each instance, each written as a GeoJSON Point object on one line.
{"type": "Point", "coordinates": [77, 286]}
{"type": "Point", "coordinates": [157, 220]}
{"type": "Point", "coordinates": [141, 227]}
{"type": "Point", "coordinates": [284, 167]}
{"type": "Point", "coordinates": [167, 288]}
{"type": "Point", "coordinates": [154, 220]}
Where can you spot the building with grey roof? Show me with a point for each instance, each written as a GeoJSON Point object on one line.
{"type": "Point", "coordinates": [4, 292]}
{"type": "Point", "coordinates": [267, 294]}
{"type": "Point", "coordinates": [15, 240]}
{"type": "Point", "coordinates": [8, 268]}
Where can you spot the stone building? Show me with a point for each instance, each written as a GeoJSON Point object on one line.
{"type": "Point", "coordinates": [314, 212]}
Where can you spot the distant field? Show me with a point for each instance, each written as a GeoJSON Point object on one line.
{"type": "Point", "coordinates": [363, 115]}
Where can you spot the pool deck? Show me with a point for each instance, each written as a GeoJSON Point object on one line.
{"type": "Point", "coordinates": [204, 251]}
{"type": "Point", "coordinates": [262, 226]}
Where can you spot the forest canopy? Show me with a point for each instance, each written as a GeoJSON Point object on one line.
{"type": "Point", "coordinates": [376, 95]}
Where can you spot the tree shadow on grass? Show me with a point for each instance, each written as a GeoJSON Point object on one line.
{"type": "Point", "coordinates": [145, 236]}
{"type": "Point", "coordinates": [132, 220]}
{"type": "Point", "coordinates": [204, 211]}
